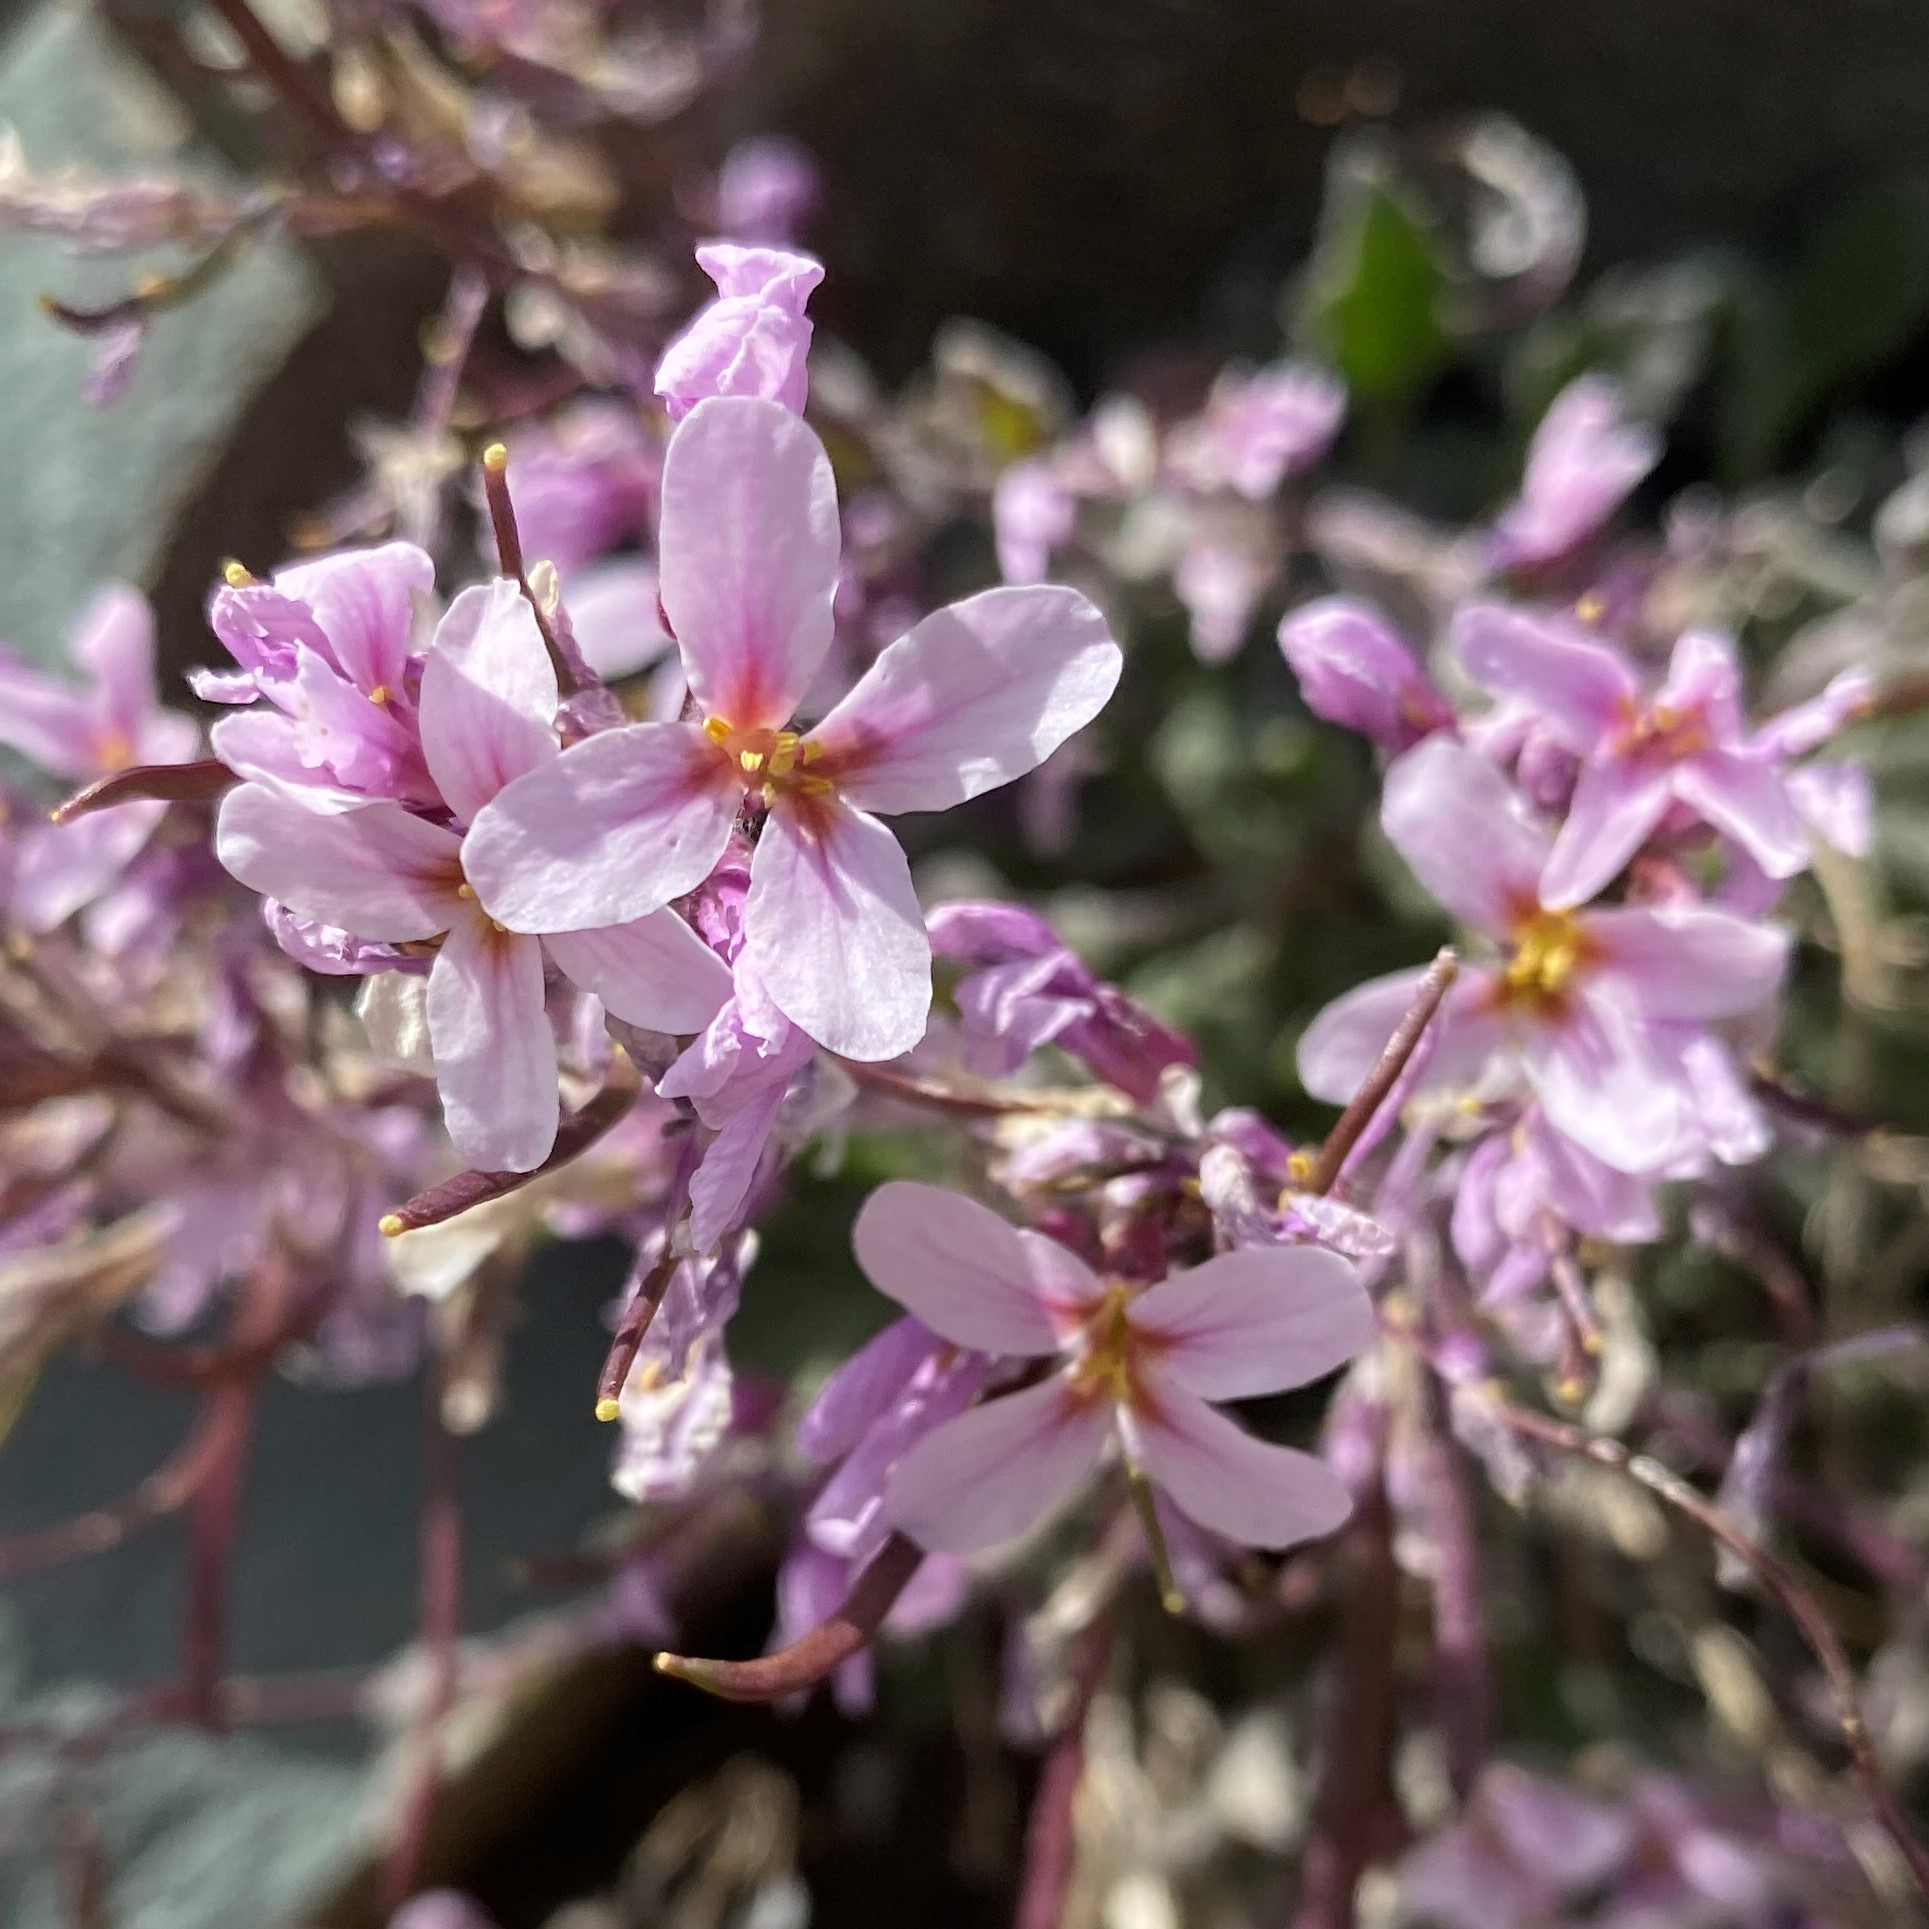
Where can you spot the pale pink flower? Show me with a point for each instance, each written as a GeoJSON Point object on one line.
{"type": "Point", "coordinates": [1144, 1365]}
{"type": "Point", "coordinates": [1259, 427]}
{"type": "Point", "coordinates": [753, 340]}
{"type": "Point", "coordinates": [1603, 1012]}
{"type": "Point", "coordinates": [768, 189]}
{"type": "Point", "coordinates": [331, 645]}
{"type": "Point", "coordinates": [1585, 460]}
{"type": "Point", "coordinates": [974, 696]}
{"type": "Point", "coordinates": [1355, 671]}
{"type": "Point", "coordinates": [1641, 755]}
{"type": "Point", "coordinates": [79, 734]}
{"type": "Point", "coordinates": [384, 874]}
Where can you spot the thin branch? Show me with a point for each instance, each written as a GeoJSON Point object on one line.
{"type": "Point", "coordinates": [821, 1652]}
{"type": "Point", "coordinates": [631, 1330]}
{"type": "Point", "coordinates": [441, 1608]}
{"type": "Point", "coordinates": [576, 1134]}
{"type": "Point", "coordinates": [1385, 1075]}
{"type": "Point", "coordinates": [502, 519]}
{"type": "Point", "coordinates": [1462, 1675]}
{"type": "Point", "coordinates": [211, 1531]}
{"type": "Point", "coordinates": [1051, 1836]}
{"type": "Point", "coordinates": [1801, 1606]}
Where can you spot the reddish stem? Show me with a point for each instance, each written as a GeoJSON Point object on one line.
{"type": "Point", "coordinates": [1051, 1836]}
{"type": "Point", "coordinates": [1801, 1606]}
{"type": "Point", "coordinates": [574, 1137]}
{"type": "Point", "coordinates": [631, 1330]}
{"type": "Point", "coordinates": [211, 1532]}
{"type": "Point", "coordinates": [821, 1652]}
{"type": "Point", "coordinates": [1385, 1075]}
{"type": "Point", "coordinates": [441, 1609]}
{"type": "Point", "coordinates": [193, 783]}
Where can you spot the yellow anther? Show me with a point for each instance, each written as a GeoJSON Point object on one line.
{"type": "Point", "coordinates": [1299, 1167]}
{"type": "Point", "coordinates": [783, 753]}
{"type": "Point", "coordinates": [715, 729]}
{"type": "Point", "coordinates": [495, 458]}
{"type": "Point", "coordinates": [815, 786]}
{"type": "Point", "coordinates": [390, 1225]}
{"type": "Point", "coordinates": [770, 795]}
{"type": "Point", "coordinates": [465, 890]}
{"type": "Point", "coordinates": [237, 575]}
{"type": "Point", "coordinates": [1592, 607]}
{"type": "Point", "coordinates": [608, 1409]}
{"type": "Point", "coordinates": [1547, 947]}
{"type": "Point", "coordinates": [810, 750]}
{"type": "Point", "coordinates": [381, 694]}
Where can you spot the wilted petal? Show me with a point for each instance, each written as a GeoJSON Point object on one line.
{"type": "Point", "coordinates": [1600, 1080]}
{"type": "Point", "coordinates": [1256, 1321]}
{"type": "Point", "coordinates": [488, 704]}
{"type": "Point", "coordinates": [495, 1056]}
{"type": "Point", "coordinates": [969, 1276]}
{"type": "Point", "coordinates": [654, 971]}
{"type": "Point", "coordinates": [1224, 1478]}
{"type": "Point", "coordinates": [1466, 833]}
{"type": "Point", "coordinates": [612, 829]}
{"type": "Point", "coordinates": [1579, 688]}
{"type": "Point", "coordinates": [364, 601]}
{"type": "Point", "coordinates": [1690, 961]}
{"type": "Point", "coordinates": [1744, 797]}
{"type": "Point", "coordinates": [833, 929]}
{"type": "Point", "coordinates": [989, 1474]}
{"type": "Point", "coordinates": [1344, 1043]}
{"type": "Point", "coordinates": [750, 550]}
{"type": "Point", "coordinates": [1615, 808]}
{"type": "Point", "coordinates": [975, 695]}
{"type": "Point", "coordinates": [729, 1164]}
{"type": "Point", "coordinates": [377, 872]}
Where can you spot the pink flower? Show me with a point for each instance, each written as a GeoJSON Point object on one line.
{"type": "Point", "coordinates": [1585, 459]}
{"type": "Point", "coordinates": [1354, 671]}
{"type": "Point", "coordinates": [1597, 1010]}
{"type": "Point", "coordinates": [1142, 1364]}
{"type": "Point", "coordinates": [1260, 427]}
{"type": "Point", "coordinates": [753, 340]}
{"type": "Point", "coordinates": [331, 646]}
{"type": "Point", "coordinates": [975, 695]}
{"type": "Point", "coordinates": [1033, 512]}
{"type": "Point", "coordinates": [1641, 755]}
{"type": "Point", "coordinates": [81, 734]}
{"type": "Point", "coordinates": [384, 874]}
{"type": "Point", "coordinates": [767, 190]}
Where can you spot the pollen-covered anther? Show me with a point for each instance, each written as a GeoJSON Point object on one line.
{"type": "Point", "coordinates": [381, 694]}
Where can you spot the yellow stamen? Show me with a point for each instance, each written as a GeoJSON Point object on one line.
{"type": "Point", "coordinates": [465, 890]}
{"type": "Point", "coordinates": [607, 1409]}
{"type": "Point", "coordinates": [1299, 1167]}
{"type": "Point", "coordinates": [1547, 947]}
{"type": "Point", "coordinates": [390, 1225]}
{"type": "Point", "coordinates": [1592, 607]}
{"type": "Point", "coordinates": [380, 694]}
{"type": "Point", "coordinates": [495, 458]}
{"type": "Point", "coordinates": [715, 729]}
{"type": "Point", "coordinates": [752, 761]}
{"type": "Point", "coordinates": [810, 751]}
{"type": "Point", "coordinates": [815, 786]}
{"type": "Point", "coordinates": [237, 575]}
{"type": "Point", "coordinates": [1170, 1597]}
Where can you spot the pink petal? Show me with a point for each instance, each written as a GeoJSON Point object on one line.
{"type": "Point", "coordinates": [488, 706]}
{"type": "Point", "coordinates": [1579, 688]}
{"type": "Point", "coordinates": [378, 872]}
{"type": "Point", "coordinates": [1690, 961]}
{"type": "Point", "coordinates": [975, 695]}
{"type": "Point", "coordinates": [364, 601]}
{"type": "Point", "coordinates": [749, 553]}
{"type": "Point", "coordinates": [832, 928]}
{"type": "Point", "coordinates": [45, 720]}
{"type": "Point", "coordinates": [1615, 807]}
{"type": "Point", "coordinates": [1744, 797]}
{"type": "Point", "coordinates": [59, 868]}
{"type": "Point", "coordinates": [986, 1476]}
{"type": "Point", "coordinates": [968, 1275]}
{"type": "Point", "coordinates": [1256, 1321]}
{"type": "Point", "coordinates": [495, 1056]}
{"type": "Point", "coordinates": [1466, 833]}
{"type": "Point", "coordinates": [263, 747]}
{"type": "Point", "coordinates": [612, 829]}
{"type": "Point", "coordinates": [1224, 1478]}
{"type": "Point", "coordinates": [1343, 1044]}
{"type": "Point", "coordinates": [1601, 1079]}
{"type": "Point", "coordinates": [654, 971]}
{"type": "Point", "coordinates": [723, 1177]}
{"type": "Point", "coordinates": [113, 641]}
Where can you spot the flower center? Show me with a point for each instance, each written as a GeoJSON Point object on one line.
{"type": "Point", "coordinates": [1104, 1369]}
{"type": "Point", "coordinates": [1665, 734]}
{"type": "Point", "coordinates": [1549, 948]}
{"type": "Point", "coordinates": [775, 760]}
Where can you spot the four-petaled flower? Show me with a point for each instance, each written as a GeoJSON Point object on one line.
{"type": "Point", "coordinates": [976, 695]}
{"type": "Point", "coordinates": [1141, 1364]}
{"type": "Point", "coordinates": [1640, 755]}
{"type": "Point", "coordinates": [383, 873]}
{"type": "Point", "coordinates": [1605, 1011]}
